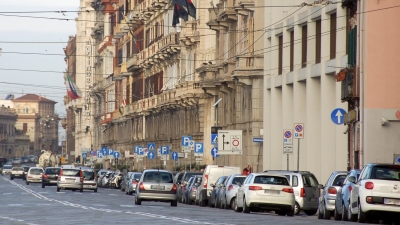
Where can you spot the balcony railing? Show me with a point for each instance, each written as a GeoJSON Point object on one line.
{"type": "Point", "coordinates": [350, 86]}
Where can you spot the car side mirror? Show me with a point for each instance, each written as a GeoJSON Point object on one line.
{"type": "Point", "coordinates": [320, 186]}
{"type": "Point", "coordinates": [352, 179]}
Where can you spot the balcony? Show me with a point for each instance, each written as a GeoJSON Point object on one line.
{"type": "Point", "coordinates": [350, 86]}
{"type": "Point", "coordinates": [248, 67]}
{"type": "Point", "coordinates": [159, 51]}
{"type": "Point", "coordinates": [120, 30]}
{"type": "Point", "coordinates": [189, 34]}
{"type": "Point", "coordinates": [3, 137]}
{"type": "Point", "coordinates": [243, 7]}
{"type": "Point", "coordinates": [106, 118]}
{"type": "Point", "coordinates": [133, 63]}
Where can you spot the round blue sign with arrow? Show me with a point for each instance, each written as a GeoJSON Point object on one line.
{"type": "Point", "coordinates": [175, 156]}
{"type": "Point", "coordinates": [398, 160]}
{"type": "Point", "coordinates": [151, 155]}
{"type": "Point", "coordinates": [337, 116]}
{"type": "Point", "coordinates": [214, 152]}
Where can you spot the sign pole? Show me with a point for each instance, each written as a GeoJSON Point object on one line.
{"type": "Point", "coordinates": [185, 160]}
{"type": "Point", "coordinates": [298, 154]}
{"type": "Point", "coordinates": [287, 159]}
{"type": "Point", "coordinates": [190, 161]}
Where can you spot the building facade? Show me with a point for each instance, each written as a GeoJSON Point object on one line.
{"type": "Point", "coordinates": [8, 117]}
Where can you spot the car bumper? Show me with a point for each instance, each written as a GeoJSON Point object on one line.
{"type": "Point", "coordinates": [69, 186]}
{"type": "Point", "coordinates": [49, 182]}
{"type": "Point", "coordinates": [192, 195]}
{"type": "Point", "coordinates": [378, 207]}
{"type": "Point", "coordinates": [34, 180]}
{"type": "Point", "coordinates": [307, 204]}
{"type": "Point", "coordinates": [89, 187]}
{"type": "Point", "coordinates": [157, 196]}
{"type": "Point", "coordinates": [330, 204]}
{"type": "Point", "coordinates": [17, 176]}
{"type": "Point", "coordinates": [270, 202]}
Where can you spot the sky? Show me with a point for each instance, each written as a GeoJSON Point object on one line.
{"type": "Point", "coordinates": [18, 70]}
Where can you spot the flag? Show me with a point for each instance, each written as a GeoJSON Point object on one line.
{"type": "Point", "coordinates": [72, 90]}
{"type": "Point", "coordinates": [8, 97]}
{"type": "Point", "coordinates": [137, 44]}
{"type": "Point", "coordinates": [179, 12]}
{"type": "Point", "coordinates": [187, 5]}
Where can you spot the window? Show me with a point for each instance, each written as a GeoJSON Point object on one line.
{"type": "Point", "coordinates": [386, 173]}
{"type": "Point", "coordinates": [24, 127]}
{"type": "Point", "coordinates": [110, 101]}
{"type": "Point", "coordinates": [291, 51]}
{"type": "Point", "coordinates": [128, 49]}
{"type": "Point", "coordinates": [303, 46]}
{"type": "Point", "coordinates": [280, 54]}
{"type": "Point", "coordinates": [71, 173]}
{"type": "Point", "coordinates": [333, 36]}
{"type": "Point", "coordinates": [309, 180]}
{"type": "Point", "coordinates": [160, 177]}
{"type": "Point", "coordinates": [317, 41]}
{"type": "Point", "coordinates": [270, 180]}
{"type": "Point", "coordinates": [339, 180]}
{"type": "Point", "coordinates": [26, 109]}
{"type": "Point", "coordinates": [127, 96]}
{"type": "Point", "coordinates": [120, 56]}
{"type": "Point", "coordinates": [295, 181]}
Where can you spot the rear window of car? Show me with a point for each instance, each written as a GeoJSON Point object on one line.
{"type": "Point", "coordinates": [137, 176]}
{"type": "Point", "coordinates": [71, 173]}
{"type": "Point", "coordinates": [36, 171]}
{"type": "Point", "coordinates": [160, 177]}
{"type": "Point", "coordinates": [263, 179]}
{"type": "Point", "coordinates": [17, 168]}
{"type": "Point", "coordinates": [339, 180]}
{"type": "Point", "coordinates": [189, 175]}
{"type": "Point", "coordinates": [309, 180]}
{"type": "Point", "coordinates": [180, 176]}
{"type": "Point", "coordinates": [237, 180]}
{"type": "Point", "coordinates": [385, 173]}
{"type": "Point", "coordinates": [88, 175]}
{"type": "Point", "coordinates": [52, 171]}
{"type": "Point", "coordinates": [7, 167]}
{"type": "Point", "coordinates": [26, 169]}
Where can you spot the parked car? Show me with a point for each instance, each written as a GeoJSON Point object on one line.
{"type": "Point", "coordinates": [50, 176]}
{"type": "Point", "coordinates": [17, 161]}
{"type": "Point", "coordinates": [375, 196]}
{"type": "Point", "coordinates": [6, 169]}
{"type": "Point", "coordinates": [132, 183]}
{"type": "Point", "coordinates": [219, 184]}
{"type": "Point", "coordinates": [25, 159]}
{"type": "Point", "coordinates": [328, 197]}
{"type": "Point", "coordinates": [343, 195]}
{"type": "Point", "coordinates": [34, 175]}
{"type": "Point", "coordinates": [227, 197]}
{"type": "Point", "coordinates": [210, 176]}
{"type": "Point", "coordinates": [264, 191]}
{"type": "Point", "coordinates": [157, 185]}
{"type": "Point", "coordinates": [190, 197]}
{"type": "Point", "coordinates": [10, 162]}
{"type": "Point", "coordinates": [305, 189]}
{"type": "Point", "coordinates": [185, 191]}
{"type": "Point", "coordinates": [89, 179]}
{"type": "Point", "coordinates": [33, 158]}
{"type": "Point", "coordinates": [70, 179]}
{"type": "Point", "coordinates": [183, 181]}
{"type": "Point", "coordinates": [17, 172]}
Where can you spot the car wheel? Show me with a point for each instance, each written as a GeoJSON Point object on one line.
{"type": "Point", "coordinates": [202, 203]}
{"type": "Point", "coordinates": [326, 213]}
{"type": "Point", "coordinates": [246, 209]}
{"type": "Point", "coordinates": [58, 189]}
{"type": "Point", "coordinates": [320, 215]}
{"type": "Point", "coordinates": [350, 215]}
{"type": "Point", "coordinates": [236, 208]}
{"type": "Point", "coordinates": [11, 178]}
{"type": "Point", "coordinates": [27, 183]}
{"type": "Point", "coordinates": [43, 186]}
{"type": "Point", "coordinates": [232, 204]}
{"type": "Point", "coordinates": [95, 190]}
{"type": "Point", "coordinates": [138, 201]}
{"type": "Point", "coordinates": [344, 212]}
{"type": "Point", "coordinates": [290, 212]}
{"type": "Point", "coordinates": [362, 217]}
{"type": "Point", "coordinates": [174, 203]}
{"type": "Point", "coordinates": [336, 215]}
{"type": "Point", "coordinates": [131, 193]}
{"type": "Point", "coordinates": [296, 208]}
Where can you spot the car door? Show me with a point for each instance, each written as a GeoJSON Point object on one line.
{"type": "Point", "coordinates": [356, 189]}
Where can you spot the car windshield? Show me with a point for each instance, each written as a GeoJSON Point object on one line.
{"type": "Point", "coordinates": [237, 180]}
{"type": "Point", "coordinates": [7, 167]}
{"type": "Point", "coordinates": [71, 173]}
{"type": "Point", "coordinates": [36, 171]}
{"type": "Point", "coordinates": [339, 179]}
{"type": "Point", "coordinates": [309, 180]}
{"type": "Point", "coordinates": [160, 177]}
{"type": "Point", "coordinates": [52, 171]}
{"type": "Point", "coordinates": [386, 173]}
{"type": "Point", "coordinates": [18, 169]}
{"type": "Point", "coordinates": [88, 175]}
{"type": "Point", "coordinates": [263, 179]}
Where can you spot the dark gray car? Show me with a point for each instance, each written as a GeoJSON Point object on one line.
{"type": "Point", "coordinates": [183, 182]}
{"type": "Point", "coordinates": [343, 195]}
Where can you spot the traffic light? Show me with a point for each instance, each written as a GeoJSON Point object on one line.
{"type": "Point", "coordinates": [214, 130]}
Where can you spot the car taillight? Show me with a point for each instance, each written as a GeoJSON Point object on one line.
{"type": "Point", "coordinates": [350, 188]}
{"type": "Point", "coordinates": [230, 187]}
{"type": "Point", "coordinates": [173, 189]}
{"type": "Point", "coordinates": [369, 185]}
{"type": "Point", "coordinates": [45, 176]}
{"type": "Point", "coordinates": [255, 188]}
{"type": "Point", "coordinates": [134, 182]}
{"type": "Point", "coordinates": [61, 171]}
{"type": "Point", "coordinates": [59, 177]}
{"type": "Point", "coordinates": [205, 181]}
{"type": "Point", "coordinates": [141, 186]}
{"type": "Point", "coordinates": [288, 190]}
{"type": "Point", "coordinates": [332, 191]}
{"type": "Point", "coordinates": [10, 172]}
{"type": "Point", "coordinates": [81, 175]}
{"type": "Point", "coordinates": [302, 193]}
{"type": "Point", "coordinates": [30, 177]}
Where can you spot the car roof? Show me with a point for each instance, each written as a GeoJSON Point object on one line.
{"type": "Point", "coordinates": [36, 167]}
{"type": "Point", "coordinates": [154, 170]}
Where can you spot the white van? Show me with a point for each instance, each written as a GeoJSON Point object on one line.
{"type": "Point", "coordinates": [210, 176]}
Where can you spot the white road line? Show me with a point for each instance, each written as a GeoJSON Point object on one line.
{"type": "Point", "coordinates": [98, 205]}
{"type": "Point", "coordinates": [42, 192]}
{"type": "Point", "coordinates": [113, 194]}
{"type": "Point", "coordinates": [7, 193]}
{"type": "Point", "coordinates": [15, 204]}
{"type": "Point", "coordinates": [129, 206]}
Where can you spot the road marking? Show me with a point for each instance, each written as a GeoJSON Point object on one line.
{"type": "Point", "coordinates": [129, 206]}
{"type": "Point", "coordinates": [98, 205]}
{"type": "Point", "coordinates": [113, 194]}
{"type": "Point", "coordinates": [15, 204]}
{"type": "Point", "coordinates": [7, 193]}
{"type": "Point", "coordinates": [42, 192]}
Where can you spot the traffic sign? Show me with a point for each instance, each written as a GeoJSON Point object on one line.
{"type": "Point", "coordinates": [191, 145]}
{"type": "Point", "coordinates": [151, 155]}
{"type": "Point", "coordinates": [287, 149]}
{"type": "Point", "coordinates": [174, 156]}
{"type": "Point", "coordinates": [185, 140]}
{"type": "Point", "coordinates": [164, 150]}
{"type": "Point", "coordinates": [140, 150]}
{"type": "Point", "coordinates": [287, 137]}
{"type": "Point", "coordinates": [214, 139]}
{"type": "Point", "coordinates": [214, 152]}
{"type": "Point", "coordinates": [84, 155]}
{"type": "Point", "coordinates": [199, 149]}
{"type": "Point", "coordinates": [104, 150]}
{"type": "Point", "coordinates": [151, 146]}
{"type": "Point", "coordinates": [117, 155]}
{"type": "Point", "coordinates": [337, 116]}
{"type": "Point", "coordinates": [165, 157]}
{"type": "Point", "coordinates": [298, 130]}
{"type": "Point", "coordinates": [199, 160]}
{"type": "Point", "coordinates": [110, 151]}
{"type": "Point", "coordinates": [99, 154]}
{"type": "Point", "coordinates": [230, 142]}
{"type": "Point", "coordinates": [258, 140]}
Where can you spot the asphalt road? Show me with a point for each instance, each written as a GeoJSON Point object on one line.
{"type": "Point", "coordinates": [31, 204]}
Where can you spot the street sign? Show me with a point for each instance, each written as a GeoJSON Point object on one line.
{"type": "Point", "coordinates": [214, 139]}
{"type": "Point", "coordinates": [127, 154]}
{"type": "Point", "coordinates": [117, 155]}
{"type": "Point", "coordinates": [151, 146]}
{"type": "Point", "coordinates": [198, 149]}
{"type": "Point", "coordinates": [110, 151]}
{"type": "Point", "coordinates": [174, 156]}
{"type": "Point", "coordinates": [151, 155]}
{"type": "Point", "coordinates": [99, 154]}
{"type": "Point", "coordinates": [185, 140]}
{"type": "Point", "coordinates": [258, 140]}
{"type": "Point", "coordinates": [287, 149]}
{"type": "Point", "coordinates": [104, 150]}
{"type": "Point", "coordinates": [298, 130]}
{"type": "Point", "coordinates": [84, 155]}
{"type": "Point", "coordinates": [230, 142]}
{"type": "Point", "coordinates": [214, 152]}
{"type": "Point", "coordinates": [337, 116]}
{"type": "Point", "coordinates": [140, 150]}
{"type": "Point", "coordinates": [199, 160]}
{"type": "Point", "coordinates": [191, 145]}
{"type": "Point", "coordinates": [164, 150]}
{"type": "Point", "coordinates": [165, 157]}
{"type": "Point", "coordinates": [287, 137]}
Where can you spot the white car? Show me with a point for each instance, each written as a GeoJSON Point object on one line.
{"type": "Point", "coordinates": [34, 175]}
{"type": "Point", "coordinates": [263, 191]}
{"type": "Point", "coordinates": [376, 195]}
{"type": "Point", "coordinates": [17, 160]}
{"type": "Point", "coordinates": [6, 169]}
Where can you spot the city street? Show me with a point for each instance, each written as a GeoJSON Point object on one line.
{"type": "Point", "coordinates": [31, 204]}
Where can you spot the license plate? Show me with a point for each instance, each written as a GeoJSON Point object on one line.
{"type": "Point", "coordinates": [70, 180]}
{"type": "Point", "coordinates": [157, 187]}
{"type": "Point", "coordinates": [17, 175]}
{"type": "Point", "coordinates": [389, 201]}
{"type": "Point", "coordinates": [313, 199]}
{"type": "Point", "coordinates": [273, 192]}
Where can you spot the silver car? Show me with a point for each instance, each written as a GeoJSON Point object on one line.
{"type": "Point", "coordinates": [89, 180]}
{"type": "Point", "coordinates": [70, 179]}
{"type": "Point", "coordinates": [156, 185]}
{"type": "Point", "coordinates": [34, 174]}
{"type": "Point", "coordinates": [132, 182]}
{"type": "Point", "coordinates": [328, 196]}
{"type": "Point", "coordinates": [6, 169]}
{"type": "Point", "coordinates": [230, 191]}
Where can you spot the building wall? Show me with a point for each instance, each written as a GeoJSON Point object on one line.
{"type": "Point", "coordinates": [379, 50]}
{"type": "Point", "coordinates": [305, 95]}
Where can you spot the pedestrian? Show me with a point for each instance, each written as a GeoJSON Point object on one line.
{"type": "Point", "coordinates": [245, 171]}
{"type": "Point", "coordinates": [249, 169]}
